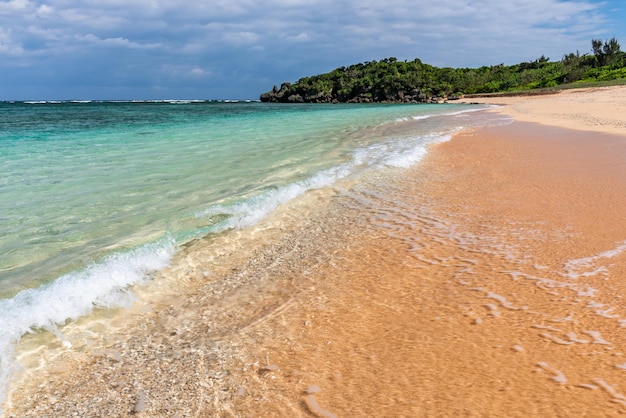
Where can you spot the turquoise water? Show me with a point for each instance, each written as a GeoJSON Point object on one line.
{"type": "Point", "coordinates": [96, 195]}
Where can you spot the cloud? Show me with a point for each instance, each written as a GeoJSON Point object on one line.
{"type": "Point", "coordinates": [240, 37]}
{"type": "Point", "coordinates": [14, 6]}
{"type": "Point", "coordinates": [264, 43]}
{"type": "Point", "coordinates": [184, 71]}
{"type": "Point", "coordinates": [8, 47]}
{"type": "Point", "coordinates": [117, 42]}
{"type": "Point", "coordinates": [300, 37]}
{"type": "Point", "coordinates": [197, 72]}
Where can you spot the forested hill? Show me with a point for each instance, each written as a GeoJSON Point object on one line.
{"type": "Point", "coordinates": [390, 80]}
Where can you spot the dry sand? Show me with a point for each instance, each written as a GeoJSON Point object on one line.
{"type": "Point", "coordinates": [489, 282]}
{"type": "Point", "coordinates": [600, 109]}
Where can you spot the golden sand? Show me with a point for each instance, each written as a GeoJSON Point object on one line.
{"type": "Point", "coordinates": [489, 282]}
{"type": "Point", "coordinates": [501, 297]}
{"type": "Point", "coordinates": [599, 109]}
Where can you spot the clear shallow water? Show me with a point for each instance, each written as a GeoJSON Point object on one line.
{"type": "Point", "coordinates": [95, 196]}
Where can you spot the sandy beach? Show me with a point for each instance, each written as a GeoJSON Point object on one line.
{"type": "Point", "coordinates": [488, 282]}
{"type": "Point", "coordinates": [599, 109]}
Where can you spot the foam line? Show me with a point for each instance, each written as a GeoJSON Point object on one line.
{"type": "Point", "coordinates": [104, 284]}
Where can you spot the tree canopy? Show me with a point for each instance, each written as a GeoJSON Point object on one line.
{"type": "Point", "coordinates": [414, 81]}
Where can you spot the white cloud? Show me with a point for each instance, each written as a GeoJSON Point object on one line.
{"type": "Point", "coordinates": [118, 42]}
{"type": "Point", "coordinates": [241, 37]}
{"type": "Point", "coordinates": [300, 37]}
{"type": "Point", "coordinates": [14, 6]}
{"type": "Point", "coordinates": [44, 11]}
{"type": "Point", "coordinates": [198, 72]}
{"type": "Point", "coordinates": [8, 46]}
{"type": "Point", "coordinates": [367, 23]}
{"type": "Point", "coordinates": [282, 40]}
{"type": "Point", "coordinates": [179, 71]}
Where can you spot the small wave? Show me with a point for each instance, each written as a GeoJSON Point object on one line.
{"type": "Point", "coordinates": [253, 210]}
{"type": "Point", "coordinates": [395, 153]}
{"type": "Point", "coordinates": [104, 284]}
{"type": "Point", "coordinates": [418, 117]}
{"type": "Point", "coordinates": [471, 110]}
{"type": "Point", "coordinates": [40, 102]}
{"type": "Point", "coordinates": [399, 152]}
{"type": "Point", "coordinates": [182, 101]}
{"type": "Point", "coordinates": [455, 113]}
{"type": "Point", "coordinates": [165, 101]}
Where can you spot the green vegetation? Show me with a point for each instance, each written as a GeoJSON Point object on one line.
{"type": "Point", "coordinates": [414, 81]}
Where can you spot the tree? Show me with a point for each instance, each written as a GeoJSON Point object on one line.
{"type": "Point", "coordinates": [611, 50]}
{"type": "Point", "coordinates": [606, 53]}
{"type": "Point", "coordinates": [415, 81]}
{"type": "Point", "coordinates": [596, 46]}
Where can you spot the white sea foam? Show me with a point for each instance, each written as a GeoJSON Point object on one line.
{"type": "Point", "coordinates": [396, 153]}
{"type": "Point", "coordinates": [470, 110]}
{"type": "Point", "coordinates": [558, 377]}
{"type": "Point", "coordinates": [104, 284]}
{"type": "Point", "coordinates": [405, 158]}
{"type": "Point", "coordinates": [455, 113]}
{"type": "Point", "coordinates": [251, 211]}
{"type": "Point", "coordinates": [585, 267]}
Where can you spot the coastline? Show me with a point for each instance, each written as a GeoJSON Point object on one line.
{"type": "Point", "coordinates": [599, 109]}
{"type": "Point", "coordinates": [502, 298]}
{"type": "Point", "coordinates": [485, 282]}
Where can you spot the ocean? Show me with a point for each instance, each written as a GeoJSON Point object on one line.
{"type": "Point", "coordinates": [97, 196]}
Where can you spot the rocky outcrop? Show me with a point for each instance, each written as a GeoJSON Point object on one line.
{"type": "Point", "coordinates": [293, 93]}
{"type": "Point", "coordinates": [277, 95]}
{"type": "Point", "coordinates": [289, 93]}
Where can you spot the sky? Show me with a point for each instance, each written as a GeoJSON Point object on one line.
{"type": "Point", "coordinates": [238, 49]}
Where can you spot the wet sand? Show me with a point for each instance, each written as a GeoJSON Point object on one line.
{"type": "Point", "coordinates": [489, 281]}
{"type": "Point", "coordinates": [500, 297]}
